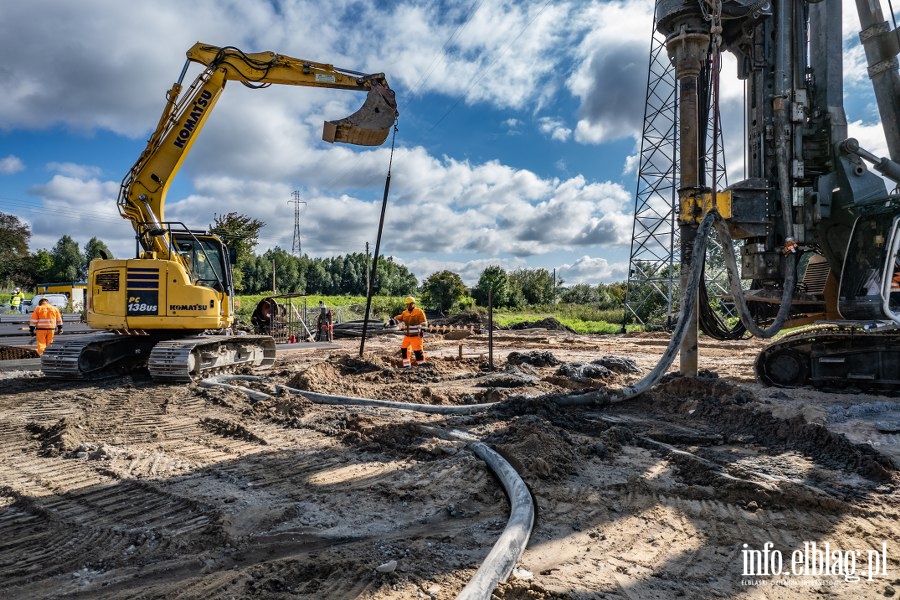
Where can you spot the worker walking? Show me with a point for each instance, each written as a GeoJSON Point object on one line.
{"type": "Point", "coordinates": [416, 322]}
{"type": "Point", "coordinates": [45, 319]}
{"type": "Point", "coordinates": [17, 301]}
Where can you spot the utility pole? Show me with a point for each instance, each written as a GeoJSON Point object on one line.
{"type": "Point", "coordinates": [295, 245]}
{"type": "Point", "coordinates": [368, 269]}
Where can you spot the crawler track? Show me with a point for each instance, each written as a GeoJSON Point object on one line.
{"type": "Point", "coordinates": [833, 356]}
{"type": "Point", "coordinates": [168, 360]}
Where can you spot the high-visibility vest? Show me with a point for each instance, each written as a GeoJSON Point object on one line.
{"type": "Point", "coordinates": [414, 320]}
{"type": "Point", "coordinates": [45, 316]}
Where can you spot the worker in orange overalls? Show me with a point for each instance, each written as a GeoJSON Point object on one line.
{"type": "Point", "coordinates": [44, 321]}
{"type": "Point", "coordinates": [416, 322]}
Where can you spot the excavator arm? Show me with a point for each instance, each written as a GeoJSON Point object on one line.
{"type": "Point", "coordinates": [143, 191]}
{"type": "Point", "coordinates": [171, 308]}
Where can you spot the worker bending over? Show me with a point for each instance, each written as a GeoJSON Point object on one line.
{"type": "Point", "coordinates": [44, 321]}
{"type": "Point", "coordinates": [416, 322]}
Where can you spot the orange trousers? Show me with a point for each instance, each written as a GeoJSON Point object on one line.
{"type": "Point", "coordinates": [44, 339]}
{"type": "Point", "coordinates": [414, 343]}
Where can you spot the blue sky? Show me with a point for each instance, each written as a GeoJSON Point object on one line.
{"type": "Point", "coordinates": [519, 125]}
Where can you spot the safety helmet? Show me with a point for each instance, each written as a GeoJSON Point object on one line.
{"type": "Point", "coordinates": [16, 291]}
{"type": "Point", "coordinates": [410, 300]}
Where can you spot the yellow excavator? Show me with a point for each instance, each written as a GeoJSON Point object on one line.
{"type": "Point", "coordinates": [172, 307]}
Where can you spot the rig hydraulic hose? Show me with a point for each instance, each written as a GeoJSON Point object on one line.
{"type": "Point", "coordinates": [734, 281]}
{"type": "Point", "coordinates": [688, 300]}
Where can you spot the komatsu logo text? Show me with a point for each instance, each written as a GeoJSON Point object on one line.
{"type": "Point", "coordinates": [187, 307]}
{"type": "Point", "coordinates": [197, 111]}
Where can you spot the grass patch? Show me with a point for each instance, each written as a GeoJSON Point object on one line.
{"type": "Point", "coordinates": [581, 319]}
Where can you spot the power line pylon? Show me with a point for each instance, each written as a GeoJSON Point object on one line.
{"type": "Point", "coordinates": [652, 278]}
{"type": "Point", "coordinates": [295, 245]}
{"type": "Point", "coordinates": [652, 291]}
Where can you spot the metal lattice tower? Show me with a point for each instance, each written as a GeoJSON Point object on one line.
{"type": "Point", "coordinates": [651, 296]}
{"type": "Point", "coordinates": [652, 277]}
{"type": "Point", "coordinates": [295, 245]}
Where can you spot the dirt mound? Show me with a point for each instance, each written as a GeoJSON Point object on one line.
{"type": "Point", "coordinates": [372, 434]}
{"type": "Point", "coordinates": [62, 438]}
{"type": "Point", "coordinates": [288, 411]}
{"type": "Point", "coordinates": [549, 323]}
{"type": "Point", "coordinates": [618, 364]}
{"type": "Point", "coordinates": [536, 358]}
{"type": "Point", "coordinates": [463, 318]}
{"type": "Point", "coordinates": [536, 448]}
{"type": "Point", "coordinates": [583, 373]}
{"type": "Point", "coordinates": [353, 365]}
{"type": "Point", "coordinates": [323, 377]}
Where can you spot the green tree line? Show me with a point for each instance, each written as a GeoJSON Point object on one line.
{"type": "Point", "coordinates": [278, 271]}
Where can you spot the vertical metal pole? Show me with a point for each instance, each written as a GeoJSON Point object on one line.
{"type": "Point", "coordinates": [374, 277]}
{"type": "Point", "coordinates": [491, 328]}
{"type": "Point", "coordinates": [688, 51]}
{"type": "Point", "coordinates": [881, 59]}
{"type": "Point", "coordinates": [368, 268]}
{"type": "Point", "coordinates": [362, 340]}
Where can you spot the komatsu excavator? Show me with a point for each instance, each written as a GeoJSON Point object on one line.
{"type": "Point", "coordinates": [808, 191]}
{"type": "Point", "coordinates": [172, 307]}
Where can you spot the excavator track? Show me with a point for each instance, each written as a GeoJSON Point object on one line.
{"type": "Point", "coordinates": [187, 359]}
{"type": "Point", "coordinates": [834, 356]}
{"type": "Point", "coordinates": [96, 356]}
{"type": "Point", "coordinates": [168, 360]}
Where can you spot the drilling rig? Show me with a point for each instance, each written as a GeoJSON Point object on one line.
{"type": "Point", "coordinates": [810, 195]}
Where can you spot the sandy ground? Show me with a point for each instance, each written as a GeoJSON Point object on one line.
{"type": "Point", "coordinates": [123, 488]}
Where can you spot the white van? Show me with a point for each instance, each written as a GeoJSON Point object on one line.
{"type": "Point", "coordinates": [60, 301]}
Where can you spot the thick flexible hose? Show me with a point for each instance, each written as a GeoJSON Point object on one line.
{"type": "Point", "coordinates": [734, 282]}
{"type": "Point", "coordinates": [688, 299]}
{"type": "Point", "coordinates": [508, 548]}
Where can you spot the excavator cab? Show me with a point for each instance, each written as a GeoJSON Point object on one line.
{"type": "Point", "coordinates": [207, 259]}
{"type": "Point", "coordinates": [870, 280]}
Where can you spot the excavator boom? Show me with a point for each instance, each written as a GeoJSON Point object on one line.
{"type": "Point", "coordinates": [143, 192]}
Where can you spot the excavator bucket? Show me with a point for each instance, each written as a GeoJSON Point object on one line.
{"type": "Point", "coordinates": [370, 125]}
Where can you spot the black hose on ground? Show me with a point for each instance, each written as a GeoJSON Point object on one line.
{"type": "Point", "coordinates": [508, 548]}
